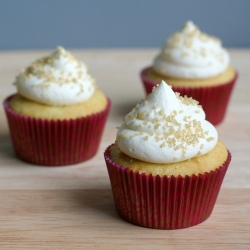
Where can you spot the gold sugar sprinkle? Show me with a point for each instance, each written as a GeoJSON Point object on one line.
{"type": "Point", "coordinates": [134, 135]}
{"type": "Point", "coordinates": [210, 139]}
{"type": "Point", "coordinates": [157, 125]}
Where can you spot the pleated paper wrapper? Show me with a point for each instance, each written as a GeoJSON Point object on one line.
{"type": "Point", "coordinates": [213, 99]}
{"type": "Point", "coordinates": [164, 202]}
{"type": "Point", "coordinates": [55, 142]}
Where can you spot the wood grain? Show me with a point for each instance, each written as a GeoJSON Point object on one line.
{"type": "Point", "coordinates": [72, 207]}
{"type": "Point", "coordinates": [77, 218]}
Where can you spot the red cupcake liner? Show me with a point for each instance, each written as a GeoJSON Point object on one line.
{"type": "Point", "coordinates": [214, 99]}
{"type": "Point", "coordinates": [55, 142]}
{"type": "Point", "coordinates": [164, 202]}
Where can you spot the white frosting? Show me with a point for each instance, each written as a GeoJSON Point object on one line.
{"type": "Point", "coordinates": [191, 54]}
{"type": "Point", "coordinates": [58, 79]}
{"type": "Point", "coordinates": [166, 128]}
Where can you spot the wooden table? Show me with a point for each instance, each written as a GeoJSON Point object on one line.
{"type": "Point", "coordinates": [72, 207]}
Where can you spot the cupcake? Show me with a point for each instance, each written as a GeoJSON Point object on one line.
{"type": "Point", "coordinates": [58, 114]}
{"type": "Point", "coordinates": [167, 164]}
{"type": "Point", "coordinates": [196, 65]}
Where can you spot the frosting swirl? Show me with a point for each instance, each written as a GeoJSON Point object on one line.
{"type": "Point", "coordinates": [191, 54]}
{"type": "Point", "coordinates": [166, 128]}
{"type": "Point", "coordinates": [57, 79]}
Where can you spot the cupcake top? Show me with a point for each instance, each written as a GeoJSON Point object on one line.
{"type": "Point", "coordinates": [191, 54]}
{"type": "Point", "coordinates": [166, 128]}
{"type": "Point", "coordinates": [58, 79]}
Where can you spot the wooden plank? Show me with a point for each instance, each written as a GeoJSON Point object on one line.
{"type": "Point", "coordinates": [72, 207]}
{"type": "Point", "coordinates": [77, 218]}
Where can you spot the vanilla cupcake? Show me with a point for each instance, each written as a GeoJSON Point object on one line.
{"type": "Point", "coordinates": [167, 164]}
{"type": "Point", "coordinates": [196, 65]}
{"type": "Point", "coordinates": [58, 115]}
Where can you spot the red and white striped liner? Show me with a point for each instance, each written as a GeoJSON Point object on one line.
{"type": "Point", "coordinates": [55, 142]}
{"type": "Point", "coordinates": [214, 99]}
{"type": "Point", "coordinates": [164, 202]}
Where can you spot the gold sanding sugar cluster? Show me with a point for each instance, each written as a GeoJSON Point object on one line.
{"type": "Point", "coordinates": [179, 135]}
{"type": "Point", "coordinates": [190, 36]}
{"type": "Point", "coordinates": [37, 69]}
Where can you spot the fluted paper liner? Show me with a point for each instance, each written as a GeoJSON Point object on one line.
{"type": "Point", "coordinates": [164, 202]}
{"type": "Point", "coordinates": [214, 99]}
{"type": "Point", "coordinates": [55, 142]}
